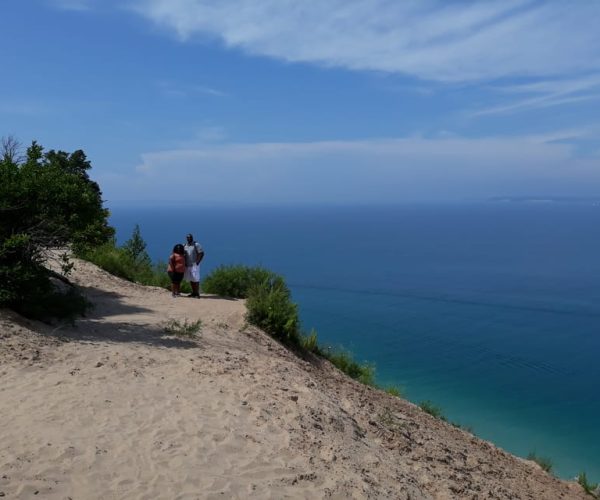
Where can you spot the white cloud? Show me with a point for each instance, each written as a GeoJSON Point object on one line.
{"type": "Point", "coordinates": [172, 89]}
{"type": "Point", "coordinates": [367, 171]}
{"type": "Point", "coordinates": [544, 94]}
{"type": "Point", "coordinates": [429, 39]}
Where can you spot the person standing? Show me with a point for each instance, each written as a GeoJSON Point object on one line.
{"type": "Point", "coordinates": [176, 268]}
{"type": "Point", "coordinates": [193, 255]}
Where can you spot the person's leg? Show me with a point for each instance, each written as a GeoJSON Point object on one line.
{"type": "Point", "coordinates": [195, 288]}
{"type": "Point", "coordinates": [173, 284]}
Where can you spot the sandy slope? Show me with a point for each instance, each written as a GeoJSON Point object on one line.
{"type": "Point", "coordinates": [114, 408]}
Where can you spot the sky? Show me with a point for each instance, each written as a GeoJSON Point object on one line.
{"type": "Point", "coordinates": [310, 102]}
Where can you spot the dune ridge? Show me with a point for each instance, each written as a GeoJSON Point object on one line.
{"type": "Point", "coordinates": [114, 408]}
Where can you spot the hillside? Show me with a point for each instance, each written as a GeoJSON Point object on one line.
{"type": "Point", "coordinates": [114, 408]}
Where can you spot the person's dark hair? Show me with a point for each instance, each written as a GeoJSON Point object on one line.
{"type": "Point", "coordinates": [178, 249]}
{"type": "Point", "coordinates": [189, 236]}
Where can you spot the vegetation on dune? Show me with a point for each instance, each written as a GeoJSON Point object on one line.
{"type": "Point", "coordinates": [589, 488]}
{"type": "Point", "coordinates": [236, 281]}
{"type": "Point", "coordinates": [544, 462]}
{"type": "Point", "coordinates": [270, 307]}
{"type": "Point", "coordinates": [394, 390]}
{"type": "Point", "coordinates": [47, 201]}
{"type": "Point", "coordinates": [183, 328]}
{"type": "Point", "coordinates": [432, 409]}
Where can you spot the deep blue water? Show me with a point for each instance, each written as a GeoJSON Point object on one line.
{"type": "Point", "coordinates": [491, 311]}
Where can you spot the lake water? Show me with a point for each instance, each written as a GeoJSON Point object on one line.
{"type": "Point", "coordinates": [492, 311]}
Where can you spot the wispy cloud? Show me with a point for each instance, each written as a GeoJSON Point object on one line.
{"type": "Point", "coordinates": [428, 39]}
{"type": "Point", "coordinates": [172, 89]}
{"type": "Point", "coordinates": [367, 171]}
{"type": "Point", "coordinates": [544, 94]}
{"type": "Point", "coordinates": [208, 90]}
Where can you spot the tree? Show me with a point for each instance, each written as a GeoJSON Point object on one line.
{"type": "Point", "coordinates": [135, 248]}
{"type": "Point", "coordinates": [47, 201]}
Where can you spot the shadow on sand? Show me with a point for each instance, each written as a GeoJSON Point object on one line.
{"type": "Point", "coordinates": [96, 326]}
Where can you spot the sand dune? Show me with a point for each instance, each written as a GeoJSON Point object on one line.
{"type": "Point", "coordinates": [114, 408]}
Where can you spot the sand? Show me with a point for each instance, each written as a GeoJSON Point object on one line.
{"type": "Point", "coordinates": [114, 408]}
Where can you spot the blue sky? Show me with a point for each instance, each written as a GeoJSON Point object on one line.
{"type": "Point", "coordinates": [314, 101]}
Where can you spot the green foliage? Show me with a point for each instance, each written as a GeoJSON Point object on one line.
{"type": "Point", "coordinates": [135, 248]}
{"type": "Point", "coordinates": [310, 342]}
{"type": "Point", "coordinates": [394, 391]}
{"type": "Point", "coordinates": [21, 269]}
{"type": "Point", "coordinates": [183, 329]}
{"type": "Point", "coordinates": [544, 462]}
{"type": "Point", "coordinates": [345, 362]}
{"type": "Point", "coordinates": [269, 301]}
{"type": "Point", "coordinates": [236, 281]}
{"type": "Point", "coordinates": [432, 409]}
{"type": "Point", "coordinates": [55, 304]}
{"type": "Point", "coordinates": [47, 201]}
{"type": "Point", "coordinates": [270, 308]}
{"type": "Point", "coordinates": [589, 488]}
{"type": "Point", "coordinates": [51, 197]}
{"type": "Point", "coordinates": [112, 259]}
{"type": "Point", "coordinates": [466, 428]}
{"type": "Point", "coordinates": [130, 261]}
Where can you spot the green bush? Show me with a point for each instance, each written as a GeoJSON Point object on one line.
{"type": "Point", "coordinates": [589, 488]}
{"type": "Point", "coordinates": [544, 462]}
{"type": "Point", "coordinates": [54, 304]}
{"type": "Point", "coordinates": [345, 362]}
{"type": "Point", "coordinates": [432, 409]}
{"type": "Point", "coordinates": [310, 342]}
{"type": "Point", "coordinates": [394, 391]}
{"type": "Point", "coordinates": [236, 281]}
{"type": "Point", "coordinates": [113, 260]}
{"type": "Point", "coordinates": [271, 309]}
{"type": "Point", "coordinates": [21, 270]}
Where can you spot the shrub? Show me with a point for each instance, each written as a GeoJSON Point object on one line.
{"type": "Point", "coordinates": [589, 488]}
{"type": "Point", "coordinates": [113, 260]}
{"type": "Point", "coordinates": [271, 309]}
{"type": "Point", "coordinates": [466, 428]}
{"type": "Point", "coordinates": [344, 361]}
{"type": "Point", "coordinates": [54, 304]}
{"type": "Point", "coordinates": [544, 462]}
{"type": "Point", "coordinates": [394, 391]}
{"type": "Point", "coordinates": [236, 281]}
{"type": "Point", "coordinates": [130, 262]}
{"type": "Point", "coordinates": [432, 409]}
{"type": "Point", "coordinates": [310, 342]}
{"type": "Point", "coordinates": [183, 329]}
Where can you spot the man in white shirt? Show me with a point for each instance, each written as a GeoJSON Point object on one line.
{"type": "Point", "coordinates": [193, 255]}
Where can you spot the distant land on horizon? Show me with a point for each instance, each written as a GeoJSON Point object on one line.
{"type": "Point", "coordinates": [547, 199]}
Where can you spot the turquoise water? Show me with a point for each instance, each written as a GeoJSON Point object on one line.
{"type": "Point", "coordinates": [492, 311]}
